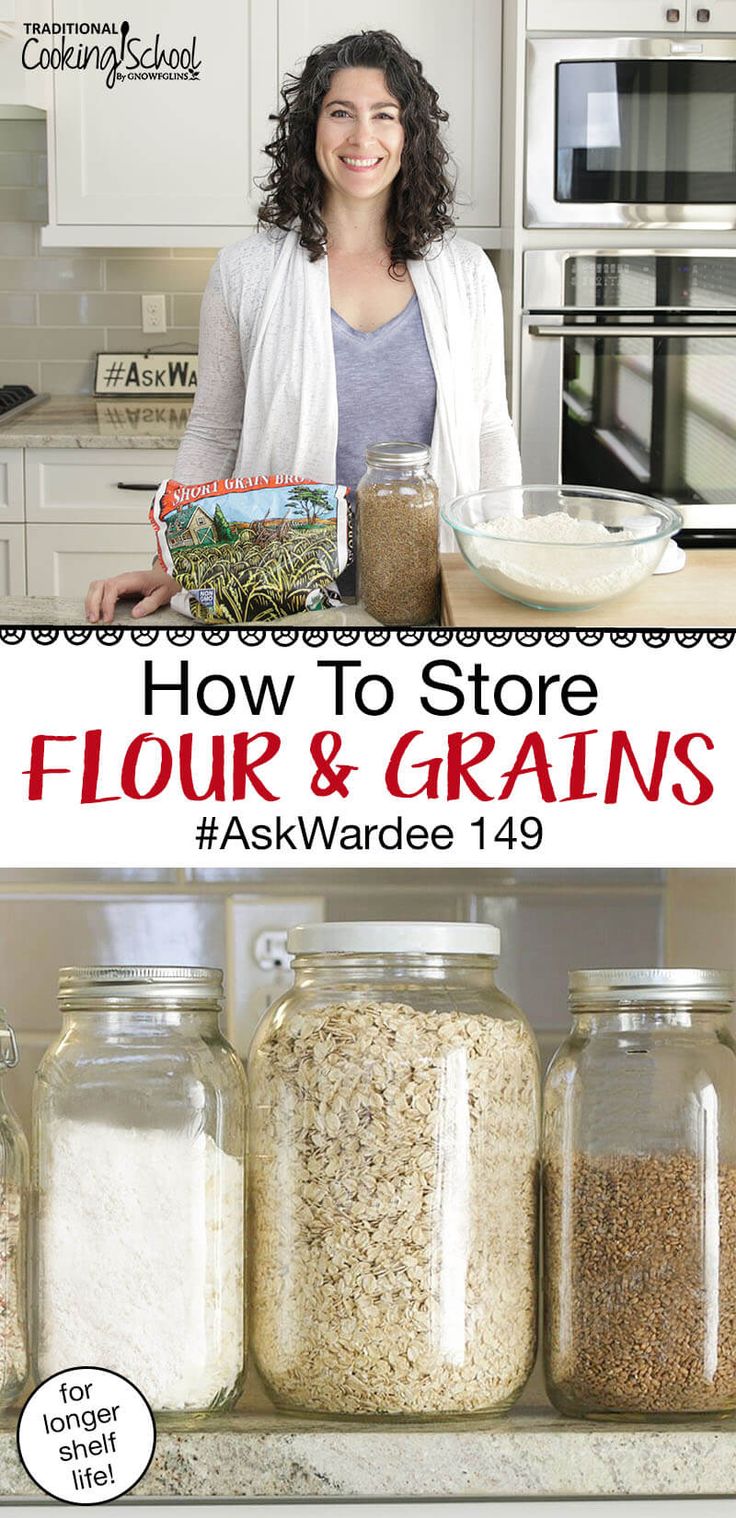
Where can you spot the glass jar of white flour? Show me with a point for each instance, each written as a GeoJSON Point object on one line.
{"type": "Point", "coordinates": [139, 1151]}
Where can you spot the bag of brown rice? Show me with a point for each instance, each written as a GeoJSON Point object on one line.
{"type": "Point", "coordinates": [253, 549]}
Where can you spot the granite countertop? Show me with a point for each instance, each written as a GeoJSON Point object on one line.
{"type": "Point", "coordinates": [81, 421]}
{"type": "Point", "coordinates": [531, 1452]}
{"type": "Point", "coordinates": [55, 611]}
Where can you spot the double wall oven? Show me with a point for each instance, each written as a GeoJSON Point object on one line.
{"type": "Point", "coordinates": [628, 364]}
{"type": "Point", "coordinates": [631, 132]}
{"type": "Point", "coordinates": [628, 378]}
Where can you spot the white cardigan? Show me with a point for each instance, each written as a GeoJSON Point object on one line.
{"type": "Point", "coordinates": [266, 399]}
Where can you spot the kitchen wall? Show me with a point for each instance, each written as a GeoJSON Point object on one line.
{"type": "Point", "coordinates": [59, 307]}
{"type": "Point", "coordinates": [549, 920]}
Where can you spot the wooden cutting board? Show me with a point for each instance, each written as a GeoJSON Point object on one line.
{"type": "Point", "coordinates": [702, 595]}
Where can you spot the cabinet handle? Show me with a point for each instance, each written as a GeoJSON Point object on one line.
{"type": "Point", "coordinates": [672, 14]}
{"type": "Point", "coordinates": [122, 485]}
{"type": "Point", "coordinates": [702, 14]}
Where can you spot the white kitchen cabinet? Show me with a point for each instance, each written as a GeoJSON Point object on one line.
{"type": "Point", "coordinates": [63, 561]}
{"type": "Point", "coordinates": [625, 16]}
{"type": "Point", "coordinates": [12, 559]}
{"type": "Point", "coordinates": [75, 485]}
{"type": "Point", "coordinates": [81, 525]}
{"type": "Point", "coordinates": [460, 49]}
{"type": "Point", "coordinates": [713, 16]}
{"type": "Point", "coordinates": [11, 485]}
{"type": "Point", "coordinates": [23, 92]}
{"type": "Point", "coordinates": [156, 160]}
{"type": "Point", "coordinates": [162, 163]}
{"type": "Point", "coordinates": [64, 521]}
{"type": "Point", "coordinates": [618, 16]}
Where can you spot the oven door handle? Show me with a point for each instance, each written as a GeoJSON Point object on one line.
{"type": "Point", "coordinates": [563, 329]}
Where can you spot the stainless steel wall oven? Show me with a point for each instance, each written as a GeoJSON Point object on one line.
{"type": "Point", "coordinates": [631, 132]}
{"type": "Point", "coordinates": [628, 378]}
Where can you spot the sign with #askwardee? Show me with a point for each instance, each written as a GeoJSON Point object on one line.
{"type": "Point", "coordinates": [285, 748]}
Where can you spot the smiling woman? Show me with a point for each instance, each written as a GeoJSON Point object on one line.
{"type": "Point", "coordinates": [355, 315]}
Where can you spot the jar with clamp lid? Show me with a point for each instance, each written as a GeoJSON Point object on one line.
{"type": "Point", "coordinates": [13, 1231]}
{"type": "Point", "coordinates": [639, 1191]}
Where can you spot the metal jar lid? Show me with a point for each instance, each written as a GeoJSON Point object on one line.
{"type": "Point", "coordinates": [418, 938]}
{"type": "Point", "coordinates": [606, 989]}
{"type": "Point", "coordinates": [147, 985]}
{"type": "Point", "coordinates": [397, 455]}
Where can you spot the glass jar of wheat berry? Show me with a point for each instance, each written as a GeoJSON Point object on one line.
{"type": "Point", "coordinates": [639, 1190]}
{"type": "Point", "coordinates": [398, 535]}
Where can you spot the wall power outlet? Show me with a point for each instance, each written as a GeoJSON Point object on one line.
{"type": "Point", "coordinates": [257, 962]}
{"type": "Point", "coordinates": [153, 313]}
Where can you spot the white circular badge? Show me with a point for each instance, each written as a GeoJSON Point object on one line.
{"type": "Point", "coordinates": [86, 1435]}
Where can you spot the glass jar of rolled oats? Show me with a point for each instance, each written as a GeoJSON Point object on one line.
{"type": "Point", "coordinates": [394, 1134]}
{"type": "Point", "coordinates": [13, 1226]}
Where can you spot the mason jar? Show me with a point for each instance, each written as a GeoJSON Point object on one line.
{"type": "Point", "coordinates": [13, 1228]}
{"type": "Point", "coordinates": [394, 1136]}
{"type": "Point", "coordinates": [139, 1116]}
{"type": "Point", "coordinates": [639, 1190]}
{"type": "Point", "coordinates": [398, 535]}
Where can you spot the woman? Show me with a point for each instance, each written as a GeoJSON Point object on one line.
{"type": "Point", "coordinates": [352, 316]}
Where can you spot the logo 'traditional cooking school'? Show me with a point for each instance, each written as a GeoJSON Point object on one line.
{"type": "Point", "coordinates": [114, 51]}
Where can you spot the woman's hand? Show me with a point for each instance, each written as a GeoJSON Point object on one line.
{"type": "Point", "coordinates": [154, 586]}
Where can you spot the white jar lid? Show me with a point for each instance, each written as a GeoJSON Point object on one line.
{"type": "Point", "coordinates": [394, 938]}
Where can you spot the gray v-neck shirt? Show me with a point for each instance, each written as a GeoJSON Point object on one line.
{"type": "Point", "coordinates": [386, 388]}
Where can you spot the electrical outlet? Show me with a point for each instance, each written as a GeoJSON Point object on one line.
{"type": "Point", "coordinates": [153, 313]}
{"type": "Point", "coordinates": [257, 962]}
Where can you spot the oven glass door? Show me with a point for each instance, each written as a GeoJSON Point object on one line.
{"type": "Point", "coordinates": [655, 414]}
{"type": "Point", "coordinates": [646, 132]}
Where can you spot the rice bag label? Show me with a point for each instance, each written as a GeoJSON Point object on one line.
{"type": "Point", "coordinates": [253, 548]}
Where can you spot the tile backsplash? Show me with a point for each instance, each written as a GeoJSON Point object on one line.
{"type": "Point", "coordinates": [549, 922]}
{"type": "Point", "coordinates": [59, 307]}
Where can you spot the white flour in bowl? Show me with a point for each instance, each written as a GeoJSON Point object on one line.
{"type": "Point", "coordinates": [559, 576]}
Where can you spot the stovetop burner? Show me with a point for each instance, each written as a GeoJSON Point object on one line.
{"type": "Point", "coordinates": [15, 398]}
{"type": "Point", "coordinates": [14, 395]}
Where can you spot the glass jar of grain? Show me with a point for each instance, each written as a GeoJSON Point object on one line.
{"type": "Point", "coordinates": [639, 1190]}
{"type": "Point", "coordinates": [13, 1227]}
{"type": "Point", "coordinates": [394, 1135]}
{"type": "Point", "coordinates": [398, 535]}
{"type": "Point", "coordinates": [139, 1119]}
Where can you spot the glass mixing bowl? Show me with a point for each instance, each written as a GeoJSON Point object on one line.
{"type": "Point", "coordinates": [561, 547]}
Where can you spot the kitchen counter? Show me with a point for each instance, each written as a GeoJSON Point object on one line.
{"type": "Point", "coordinates": [81, 421]}
{"type": "Point", "coordinates": [531, 1452]}
{"type": "Point", "coordinates": [55, 611]}
{"type": "Point", "coordinates": [703, 594]}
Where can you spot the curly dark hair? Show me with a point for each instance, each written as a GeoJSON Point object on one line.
{"type": "Point", "coordinates": [422, 192]}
